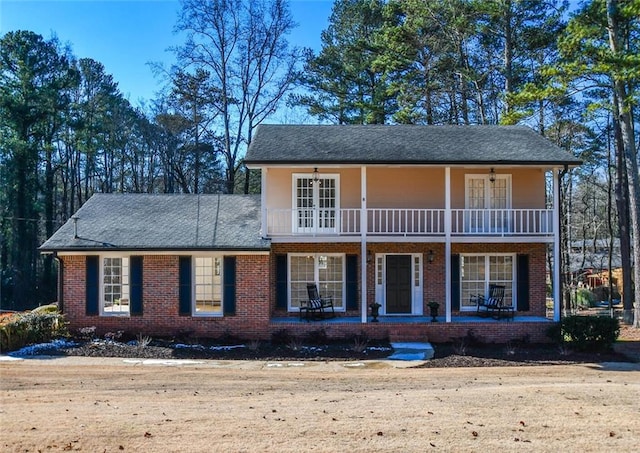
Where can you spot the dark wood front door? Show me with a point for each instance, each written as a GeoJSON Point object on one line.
{"type": "Point", "coordinates": [398, 286]}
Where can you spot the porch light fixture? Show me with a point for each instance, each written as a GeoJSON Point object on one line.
{"type": "Point", "coordinates": [492, 175]}
{"type": "Point", "coordinates": [430, 256]}
{"type": "Point", "coordinates": [315, 176]}
{"type": "Point", "coordinates": [369, 256]}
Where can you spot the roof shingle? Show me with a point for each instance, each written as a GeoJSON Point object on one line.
{"type": "Point", "coordinates": [402, 144]}
{"type": "Point", "coordinates": [163, 222]}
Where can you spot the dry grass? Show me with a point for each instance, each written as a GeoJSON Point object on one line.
{"type": "Point", "coordinates": [109, 405]}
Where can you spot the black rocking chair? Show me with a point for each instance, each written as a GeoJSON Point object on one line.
{"type": "Point", "coordinates": [494, 304]}
{"type": "Point", "coordinates": [317, 307]}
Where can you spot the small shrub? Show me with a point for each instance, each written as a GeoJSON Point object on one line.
{"type": "Point", "coordinates": [227, 337]}
{"type": "Point", "coordinates": [295, 344]}
{"type": "Point", "coordinates": [50, 308]}
{"type": "Point", "coordinates": [585, 298]}
{"type": "Point", "coordinates": [280, 337]}
{"type": "Point", "coordinates": [22, 329]}
{"type": "Point", "coordinates": [142, 341]}
{"type": "Point", "coordinates": [254, 345]}
{"type": "Point", "coordinates": [114, 336]}
{"type": "Point", "coordinates": [510, 348]}
{"type": "Point", "coordinates": [360, 342]}
{"type": "Point", "coordinates": [87, 333]}
{"type": "Point", "coordinates": [317, 337]}
{"type": "Point", "coordinates": [586, 332]}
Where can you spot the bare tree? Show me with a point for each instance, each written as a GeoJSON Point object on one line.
{"type": "Point", "coordinates": [242, 44]}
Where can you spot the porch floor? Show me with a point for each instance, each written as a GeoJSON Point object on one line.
{"type": "Point", "coordinates": [409, 320]}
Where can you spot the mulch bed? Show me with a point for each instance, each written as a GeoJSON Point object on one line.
{"type": "Point", "coordinates": [446, 355]}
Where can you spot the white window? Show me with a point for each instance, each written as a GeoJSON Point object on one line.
{"type": "Point", "coordinates": [325, 270]}
{"type": "Point", "coordinates": [208, 286]}
{"type": "Point", "coordinates": [477, 272]}
{"type": "Point", "coordinates": [115, 286]}
{"type": "Point", "coordinates": [316, 204]}
{"type": "Point", "coordinates": [487, 203]}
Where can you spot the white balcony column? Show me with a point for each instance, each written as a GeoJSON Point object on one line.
{"type": "Point", "coordinates": [363, 243]}
{"type": "Point", "coordinates": [556, 244]}
{"type": "Point", "coordinates": [447, 241]}
{"type": "Point", "coordinates": [264, 227]}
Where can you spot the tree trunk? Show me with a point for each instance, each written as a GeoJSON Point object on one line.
{"type": "Point", "coordinates": [630, 155]}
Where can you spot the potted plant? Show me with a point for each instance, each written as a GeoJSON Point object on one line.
{"type": "Point", "coordinates": [433, 307]}
{"type": "Point", "coordinates": [375, 311]}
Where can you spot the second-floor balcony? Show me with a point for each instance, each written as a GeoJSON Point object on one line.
{"type": "Point", "coordinates": [409, 222]}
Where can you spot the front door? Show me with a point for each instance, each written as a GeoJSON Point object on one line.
{"type": "Point", "coordinates": [398, 284]}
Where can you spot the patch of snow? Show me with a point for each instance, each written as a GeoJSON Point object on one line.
{"type": "Point", "coordinates": [41, 348]}
{"type": "Point", "coordinates": [188, 346]}
{"type": "Point", "coordinates": [199, 347]}
{"type": "Point", "coordinates": [226, 348]}
{"type": "Point", "coordinates": [165, 362]}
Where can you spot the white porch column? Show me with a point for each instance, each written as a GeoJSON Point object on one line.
{"type": "Point", "coordinates": [447, 241]}
{"type": "Point", "coordinates": [264, 228]}
{"type": "Point", "coordinates": [556, 244]}
{"type": "Point", "coordinates": [363, 243]}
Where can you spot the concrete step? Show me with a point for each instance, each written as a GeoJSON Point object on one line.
{"type": "Point", "coordinates": [411, 351]}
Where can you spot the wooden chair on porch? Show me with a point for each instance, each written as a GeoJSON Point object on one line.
{"type": "Point", "coordinates": [493, 305]}
{"type": "Point", "coordinates": [317, 307]}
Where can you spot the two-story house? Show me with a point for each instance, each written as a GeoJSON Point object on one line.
{"type": "Point", "coordinates": [400, 216]}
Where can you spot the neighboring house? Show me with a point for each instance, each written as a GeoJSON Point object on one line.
{"type": "Point", "coordinates": [398, 215]}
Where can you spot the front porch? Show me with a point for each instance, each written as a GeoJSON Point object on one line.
{"type": "Point", "coordinates": [521, 328]}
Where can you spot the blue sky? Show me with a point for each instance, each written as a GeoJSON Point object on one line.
{"type": "Point", "coordinates": [124, 35]}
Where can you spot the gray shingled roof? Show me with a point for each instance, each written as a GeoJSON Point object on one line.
{"type": "Point", "coordinates": [163, 222]}
{"type": "Point", "coordinates": [402, 144]}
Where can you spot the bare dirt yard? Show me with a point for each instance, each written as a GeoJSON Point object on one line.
{"type": "Point", "coordinates": [117, 404]}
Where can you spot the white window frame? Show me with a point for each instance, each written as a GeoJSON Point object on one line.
{"type": "Point", "coordinates": [487, 278]}
{"type": "Point", "coordinates": [218, 272]}
{"type": "Point", "coordinates": [339, 305]}
{"type": "Point", "coordinates": [103, 294]}
{"type": "Point", "coordinates": [315, 214]}
{"type": "Point", "coordinates": [486, 221]}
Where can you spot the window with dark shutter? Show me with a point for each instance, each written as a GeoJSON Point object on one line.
{"type": "Point", "coordinates": [92, 285]}
{"type": "Point", "coordinates": [523, 282]}
{"type": "Point", "coordinates": [352, 282]}
{"type": "Point", "coordinates": [281, 282]}
{"type": "Point", "coordinates": [184, 291]}
{"type": "Point", "coordinates": [136, 285]}
{"type": "Point", "coordinates": [455, 282]}
{"type": "Point", "coordinates": [229, 291]}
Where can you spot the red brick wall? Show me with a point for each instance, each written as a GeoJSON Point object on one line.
{"type": "Point", "coordinates": [160, 301]}
{"type": "Point", "coordinates": [433, 273]}
{"type": "Point", "coordinates": [255, 295]}
{"type": "Point", "coordinates": [488, 332]}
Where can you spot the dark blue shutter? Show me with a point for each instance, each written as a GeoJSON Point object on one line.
{"type": "Point", "coordinates": [136, 285]}
{"type": "Point", "coordinates": [92, 285]}
{"type": "Point", "coordinates": [184, 292]}
{"type": "Point", "coordinates": [281, 282]}
{"type": "Point", "coordinates": [60, 285]}
{"type": "Point", "coordinates": [455, 282]}
{"type": "Point", "coordinates": [229, 281]}
{"type": "Point", "coordinates": [522, 282]}
{"type": "Point", "coordinates": [352, 282]}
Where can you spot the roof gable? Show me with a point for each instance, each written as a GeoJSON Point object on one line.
{"type": "Point", "coordinates": [402, 144]}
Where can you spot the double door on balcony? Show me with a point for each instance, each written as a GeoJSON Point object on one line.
{"type": "Point", "coordinates": [317, 204]}
{"type": "Point", "coordinates": [488, 204]}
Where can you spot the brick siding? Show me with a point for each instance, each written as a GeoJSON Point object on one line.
{"type": "Point", "coordinates": [255, 297]}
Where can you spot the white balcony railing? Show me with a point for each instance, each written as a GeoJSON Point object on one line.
{"type": "Point", "coordinates": [502, 222]}
{"type": "Point", "coordinates": [409, 222]}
